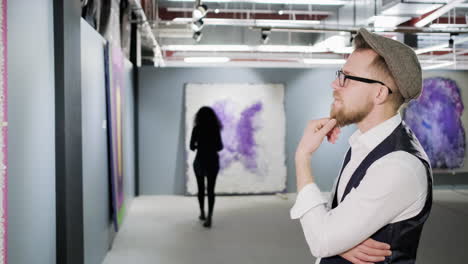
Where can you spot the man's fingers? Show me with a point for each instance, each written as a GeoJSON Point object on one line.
{"type": "Point", "coordinates": [355, 260]}
{"type": "Point", "coordinates": [374, 251]}
{"type": "Point", "coordinates": [360, 261]}
{"type": "Point", "coordinates": [364, 257]}
{"type": "Point", "coordinates": [327, 127]}
{"type": "Point", "coordinates": [376, 244]}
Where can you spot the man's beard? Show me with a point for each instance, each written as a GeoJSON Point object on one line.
{"type": "Point", "coordinates": [344, 118]}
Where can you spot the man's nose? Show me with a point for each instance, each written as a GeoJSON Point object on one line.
{"type": "Point", "coordinates": [335, 84]}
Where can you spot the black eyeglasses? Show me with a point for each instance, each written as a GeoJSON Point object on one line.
{"type": "Point", "coordinates": [343, 76]}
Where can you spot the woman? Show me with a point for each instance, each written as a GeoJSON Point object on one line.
{"type": "Point", "coordinates": [206, 139]}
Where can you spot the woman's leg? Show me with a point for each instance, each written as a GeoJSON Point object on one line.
{"type": "Point", "coordinates": [211, 195]}
{"type": "Point", "coordinates": [201, 190]}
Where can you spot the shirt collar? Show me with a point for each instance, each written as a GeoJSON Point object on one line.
{"type": "Point", "coordinates": [375, 135]}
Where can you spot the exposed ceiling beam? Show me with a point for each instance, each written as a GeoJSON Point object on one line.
{"type": "Point", "coordinates": [261, 23]}
{"type": "Point", "coordinates": [439, 12]}
{"type": "Point", "coordinates": [147, 31]}
{"type": "Point", "coordinates": [337, 28]}
{"type": "Point", "coordinates": [166, 15]}
{"type": "Point", "coordinates": [254, 11]}
{"type": "Point", "coordinates": [440, 46]}
{"type": "Point", "coordinates": [281, 2]}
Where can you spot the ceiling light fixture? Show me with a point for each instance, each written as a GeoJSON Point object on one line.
{"type": "Point", "coordinates": [324, 61]}
{"type": "Point", "coordinates": [197, 25]}
{"type": "Point", "coordinates": [246, 48]}
{"type": "Point", "coordinates": [199, 12]}
{"type": "Point", "coordinates": [265, 35]}
{"type": "Point", "coordinates": [197, 36]}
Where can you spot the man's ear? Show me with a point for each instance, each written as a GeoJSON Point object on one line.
{"type": "Point", "coordinates": [382, 95]}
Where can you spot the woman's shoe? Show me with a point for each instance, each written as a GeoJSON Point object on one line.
{"type": "Point", "coordinates": [202, 217]}
{"type": "Point", "coordinates": [207, 223]}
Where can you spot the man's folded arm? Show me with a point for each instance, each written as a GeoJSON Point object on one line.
{"type": "Point", "coordinates": [386, 191]}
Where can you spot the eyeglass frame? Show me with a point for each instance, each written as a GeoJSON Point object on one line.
{"type": "Point", "coordinates": [359, 79]}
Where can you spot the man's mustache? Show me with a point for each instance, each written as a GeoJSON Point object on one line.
{"type": "Point", "coordinates": [336, 96]}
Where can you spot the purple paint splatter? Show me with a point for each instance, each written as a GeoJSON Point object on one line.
{"type": "Point", "coordinates": [435, 119]}
{"type": "Point", "coordinates": [238, 135]}
{"type": "Point", "coordinates": [245, 135]}
{"type": "Point", "coordinates": [224, 111]}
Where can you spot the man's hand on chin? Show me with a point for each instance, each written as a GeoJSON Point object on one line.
{"type": "Point", "coordinates": [314, 134]}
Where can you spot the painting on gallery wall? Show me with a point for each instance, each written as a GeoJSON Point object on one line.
{"type": "Point", "coordinates": [437, 120]}
{"type": "Point", "coordinates": [253, 135]}
{"type": "Point", "coordinates": [114, 92]}
{"type": "Point", "coordinates": [4, 135]}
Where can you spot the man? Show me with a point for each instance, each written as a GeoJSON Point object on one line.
{"type": "Point", "coordinates": [383, 194]}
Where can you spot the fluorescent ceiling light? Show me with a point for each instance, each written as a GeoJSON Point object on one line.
{"type": "Point", "coordinates": [282, 2]}
{"type": "Point", "coordinates": [245, 48]}
{"type": "Point", "coordinates": [343, 50]}
{"type": "Point", "coordinates": [437, 66]}
{"type": "Point", "coordinates": [387, 21]}
{"type": "Point", "coordinates": [436, 14]}
{"type": "Point", "coordinates": [431, 48]}
{"type": "Point", "coordinates": [238, 48]}
{"type": "Point", "coordinates": [336, 44]}
{"type": "Point", "coordinates": [325, 61]}
{"type": "Point", "coordinates": [206, 59]}
{"type": "Point", "coordinates": [448, 25]}
{"type": "Point", "coordinates": [287, 48]}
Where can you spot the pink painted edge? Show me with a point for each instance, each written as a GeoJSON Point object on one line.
{"type": "Point", "coordinates": [5, 129]}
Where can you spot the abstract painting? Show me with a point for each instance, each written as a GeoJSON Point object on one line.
{"type": "Point", "coordinates": [114, 86]}
{"type": "Point", "coordinates": [4, 135]}
{"type": "Point", "coordinates": [253, 135]}
{"type": "Point", "coordinates": [436, 119]}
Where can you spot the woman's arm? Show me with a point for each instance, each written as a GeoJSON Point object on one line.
{"type": "Point", "coordinates": [194, 139]}
{"type": "Point", "coordinates": [219, 142]}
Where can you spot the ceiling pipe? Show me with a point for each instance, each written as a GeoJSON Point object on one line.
{"type": "Point", "coordinates": [320, 28]}
{"type": "Point", "coordinates": [147, 31]}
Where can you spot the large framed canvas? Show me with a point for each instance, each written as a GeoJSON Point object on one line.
{"type": "Point", "coordinates": [253, 135]}
{"type": "Point", "coordinates": [438, 119]}
{"type": "Point", "coordinates": [114, 86]}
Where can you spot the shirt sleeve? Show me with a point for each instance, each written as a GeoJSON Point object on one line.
{"type": "Point", "coordinates": [391, 184]}
{"type": "Point", "coordinates": [308, 198]}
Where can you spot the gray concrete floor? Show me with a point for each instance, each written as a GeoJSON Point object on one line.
{"type": "Point", "coordinates": [257, 229]}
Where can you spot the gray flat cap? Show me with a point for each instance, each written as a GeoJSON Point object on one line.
{"type": "Point", "coordinates": [401, 60]}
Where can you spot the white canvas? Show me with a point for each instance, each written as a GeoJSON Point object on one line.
{"type": "Point", "coordinates": [253, 158]}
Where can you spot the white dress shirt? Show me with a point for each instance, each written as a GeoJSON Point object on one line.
{"type": "Point", "coordinates": [393, 189]}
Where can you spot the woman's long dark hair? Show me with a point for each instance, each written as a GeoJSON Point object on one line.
{"type": "Point", "coordinates": [207, 120]}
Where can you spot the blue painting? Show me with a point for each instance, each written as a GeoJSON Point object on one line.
{"type": "Point", "coordinates": [253, 135]}
{"type": "Point", "coordinates": [435, 118]}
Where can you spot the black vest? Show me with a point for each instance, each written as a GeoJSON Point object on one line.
{"type": "Point", "coordinates": [402, 236]}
